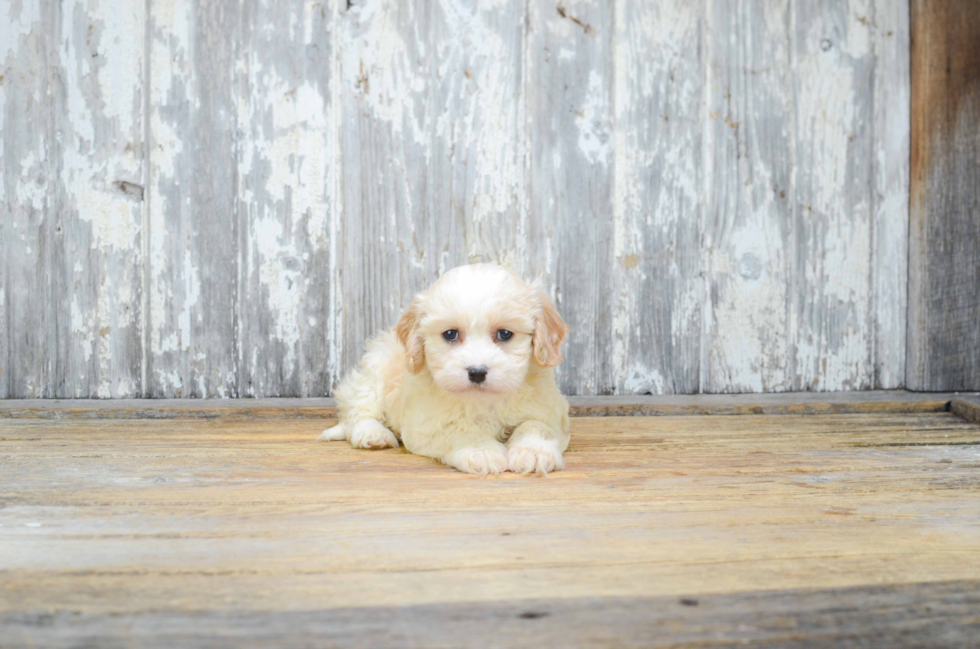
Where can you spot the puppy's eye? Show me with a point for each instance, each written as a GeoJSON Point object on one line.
{"type": "Point", "coordinates": [451, 335]}
{"type": "Point", "coordinates": [503, 335]}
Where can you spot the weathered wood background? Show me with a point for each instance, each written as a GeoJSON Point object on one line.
{"type": "Point", "coordinates": [224, 198]}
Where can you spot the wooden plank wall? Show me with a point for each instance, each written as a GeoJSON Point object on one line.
{"type": "Point", "coordinates": [226, 198]}
{"type": "Point", "coordinates": [944, 270]}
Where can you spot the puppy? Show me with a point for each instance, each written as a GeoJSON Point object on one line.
{"type": "Point", "coordinates": [466, 377]}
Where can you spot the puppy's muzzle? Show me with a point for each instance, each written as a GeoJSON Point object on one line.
{"type": "Point", "coordinates": [477, 374]}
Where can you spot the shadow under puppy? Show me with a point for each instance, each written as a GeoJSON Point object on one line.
{"type": "Point", "coordinates": [466, 377]}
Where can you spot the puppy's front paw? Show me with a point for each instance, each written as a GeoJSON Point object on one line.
{"type": "Point", "coordinates": [479, 460]}
{"type": "Point", "coordinates": [540, 457]}
{"type": "Point", "coordinates": [372, 434]}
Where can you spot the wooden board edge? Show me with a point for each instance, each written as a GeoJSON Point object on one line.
{"type": "Point", "coordinates": [749, 408]}
{"type": "Point", "coordinates": [968, 408]}
{"type": "Point", "coordinates": [800, 403]}
{"type": "Point", "coordinates": [242, 413]}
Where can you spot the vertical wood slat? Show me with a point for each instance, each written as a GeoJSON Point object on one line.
{"type": "Point", "coordinates": [72, 105]}
{"type": "Point", "coordinates": [194, 248]}
{"type": "Point", "coordinates": [833, 193]}
{"type": "Point", "coordinates": [656, 287]}
{"type": "Point", "coordinates": [790, 231]}
{"type": "Point", "coordinates": [750, 208]}
{"type": "Point", "coordinates": [944, 233]}
{"type": "Point", "coordinates": [891, 155]}
{"type": "Point", "coordinates": [287, 165]}
{"type": "Point", "coordinates": [102, 171]}
{"type": "Point", "coordinates": [28, 164]}
{"type": "Point", "coordinates": [569, 86]}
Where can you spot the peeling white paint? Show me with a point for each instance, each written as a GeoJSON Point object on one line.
{"type": "Point", "coordinates": [113, 219]}
{"type": "Point", "coordinates": [642, 380]}
{"type": "Point", "coordinates": [750, 343]}
{"type": "Point", "coordinates": [173, 81]}
{"type": "Point", "coordinates": [170, 381]}
{"type": "Point", "coordinates": [19, 20]}
{"type": "Point", "coordinates": [592, 121]}
{"type": "Point", "coordinates": [192, 294]}
{"type": "Point", "coordinates": [335, 324]}
{"type": "Point", "coordinates": [282, 284]}
{"type": "Point", "coordinates": [378, 71]}
{"type": "Point", "coordinates": [692, 163]}
{"type": "Point", "coordinates": [297, 153]}
{"type": "Point", "coordinates": [99, 66]}
{"type": "Point", "coordinates": [121, 47]}
{"type": "Point", "coordinates": [33, 188]}
{"type": "Point", "coordinates": [656, 196]}
{"type": "Point", "coordinates": [81, 328]}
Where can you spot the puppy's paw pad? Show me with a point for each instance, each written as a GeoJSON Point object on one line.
{"type": "Point", "coordinates": [335, 434]}
{"type": "Point", "coordinates": [372, 434]}
{"type": "Point", "coordinates": [529, 459]}
{"type": "Point", "coordinates": [479, 461]}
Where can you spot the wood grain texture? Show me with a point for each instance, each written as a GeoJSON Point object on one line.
{"type": "Point", "coordinates": [832, 195]}
{"type": "Point", "coordinates": [30, 349]}
{"type": "Point", "coordinates": [194, 249]}
{"type": "Point", "coordinates": [791, 215]}
{"type": "Point", "coordinates": [288, 164]}
{"type": "Point", "coordinates": [909, 615]}
{"type": "Point", "coordinates": [202, 522]}
{"type": "Point", "coordinates": [655, 285]}
{"type": "Point", "coordinates": [749, 331]}
{"type": "Point", "coordinates": [71, 101]}
{"type": "Point", "coordinates": [714, 194]}
{"type": "Point", "coordinates": [890, 33]}
{"type": "Point", "coordinates": [944, 255]}
{"type": "Point", "coordinates": [570, 172]}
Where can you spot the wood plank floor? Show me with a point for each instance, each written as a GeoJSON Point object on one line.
{"type": "Point", "coordinates": [787, 530]}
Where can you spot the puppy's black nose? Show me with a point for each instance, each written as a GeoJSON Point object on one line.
{"type": "Point", "coordinates": [477, 374]}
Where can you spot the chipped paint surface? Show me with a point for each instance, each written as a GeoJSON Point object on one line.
{"type": "Point", "coordinates": [226, 199]}
{"type": "Point", "coordinates": [657, 209]}
{"type": "Point", "coordinates": [71, 114]}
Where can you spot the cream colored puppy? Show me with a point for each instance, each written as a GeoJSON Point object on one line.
{"type": "Point", "coordinates": [466, 377]}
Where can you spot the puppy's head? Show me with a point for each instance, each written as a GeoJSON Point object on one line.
{"type": "Point", "coordinates": [477, 330]}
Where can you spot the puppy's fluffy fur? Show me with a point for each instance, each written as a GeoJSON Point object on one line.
{"type": "Point", "coordinates": [414, 385]}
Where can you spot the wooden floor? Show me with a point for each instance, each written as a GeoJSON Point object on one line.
{"type": "Point", "coordinates": [785, 530]}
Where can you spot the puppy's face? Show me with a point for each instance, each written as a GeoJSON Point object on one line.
{"type": "Point", "coordinates": [478, 329]}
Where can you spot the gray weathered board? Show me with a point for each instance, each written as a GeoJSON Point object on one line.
{"type": "Point", "coordinates": [944, 270]}
{"type": "Point", "coordinates": [221, 198]}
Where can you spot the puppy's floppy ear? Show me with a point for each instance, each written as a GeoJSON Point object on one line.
{"type": "Point", "coordinates": [407, 332]}
{"type": "Point", "coordinates": [549, 333]}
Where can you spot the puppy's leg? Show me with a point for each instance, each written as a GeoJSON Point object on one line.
{"type": "Point", "coordinates": [361, 411]}
{"type": "Point", "coordinates": [335, 434]}
{"type": "Point", "coordinates": [536, 447]}
{"type": "Point", "coordinates": [364, 433]}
